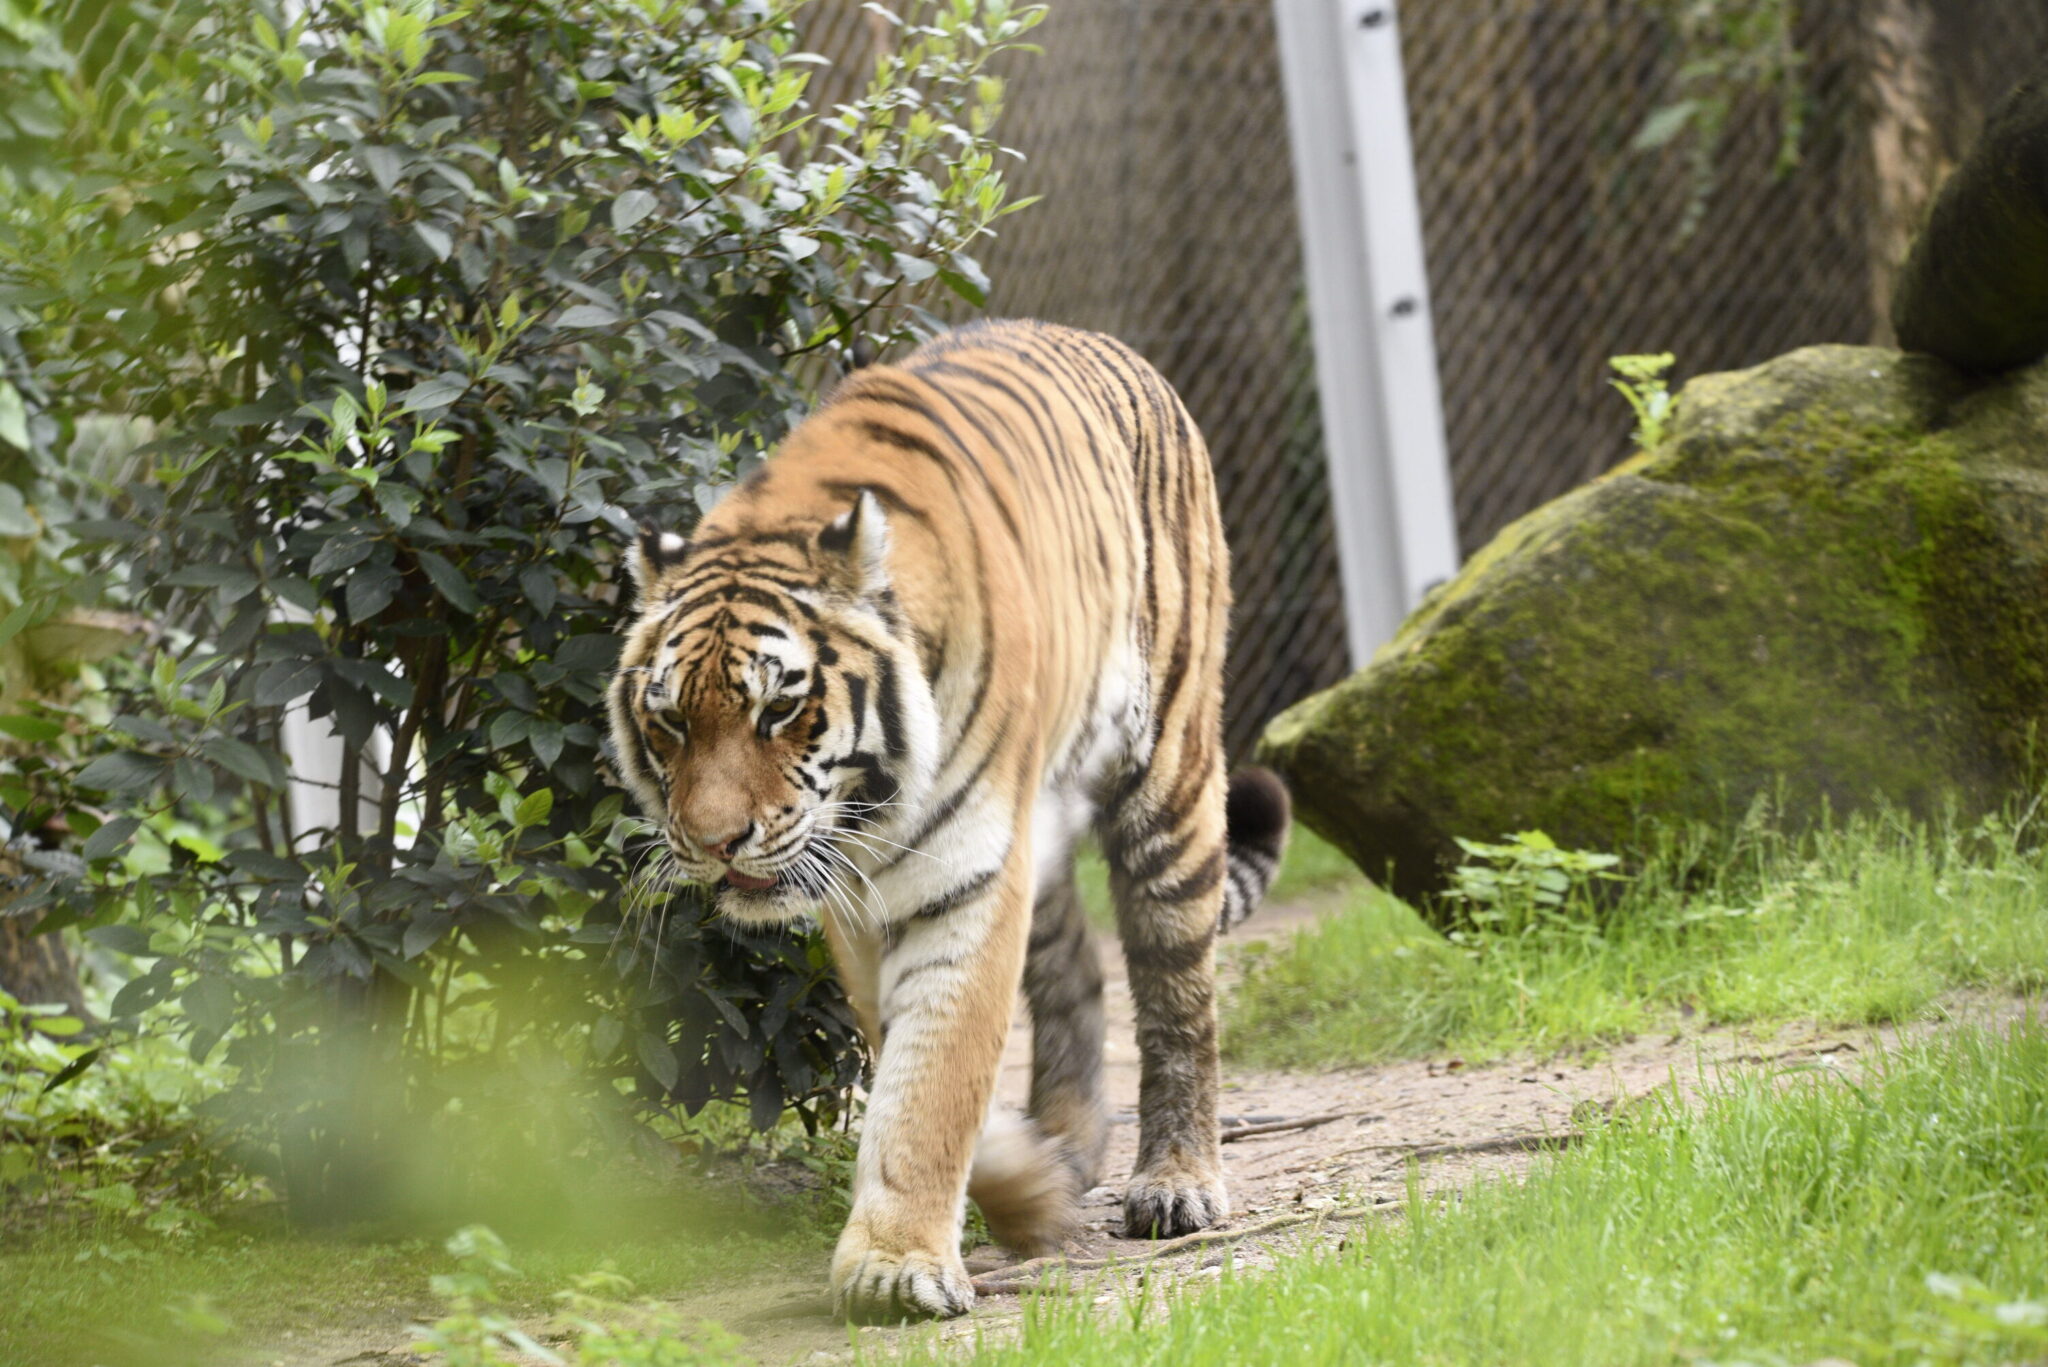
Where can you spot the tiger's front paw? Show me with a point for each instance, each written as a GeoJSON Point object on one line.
{"type": "Point", "coordinates": [1168, 1203]}
{"type": "Point", "coordinates": [872, 1284]}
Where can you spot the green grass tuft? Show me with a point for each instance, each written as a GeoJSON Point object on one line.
{"type": "Point", "coordinates": [1867, 922]}
{"type": "Point", "coordinates": [1788, 1218]}
{"type": "Point", "coordinates": [1312, 865]}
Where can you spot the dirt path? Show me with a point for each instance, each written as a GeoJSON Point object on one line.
{"type": "Point", "coordinates": [1318, 1151]}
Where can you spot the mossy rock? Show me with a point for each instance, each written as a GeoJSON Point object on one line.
{"type": "Point", "coordinates": [1830, 582]}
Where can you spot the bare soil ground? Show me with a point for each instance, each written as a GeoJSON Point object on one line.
{"type": "Point", "coordinates": [1306, 1156]}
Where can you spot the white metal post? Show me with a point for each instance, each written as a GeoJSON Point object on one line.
{"type": "Point", "coordinates": [1368, 297]}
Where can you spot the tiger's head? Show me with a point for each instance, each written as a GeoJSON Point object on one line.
{"type": "Point", "coordinates": [770, 712]}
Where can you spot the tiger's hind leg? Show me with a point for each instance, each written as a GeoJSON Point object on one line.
{"type": "Point", "coordinates": [1030, 1171]}
{"type": "Point", "coordinates": [1063, 982]}
{"type": "Point", "coordinates": [1166, 867]}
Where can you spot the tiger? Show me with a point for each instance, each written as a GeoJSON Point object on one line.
{"type": "Point", "coordinates": [973, 607]}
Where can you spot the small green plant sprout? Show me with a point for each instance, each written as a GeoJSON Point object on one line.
{"type": "Point", "coordinates": [476, 1332]}
{"type": "Point", "coordinates": [1526, 881]}
{"type": "Point", "coordinates": [597, 1324]}
{"type": "Point", "coordinates": [609, 1330]}
{"type": "Point", "coordinates": [1642, 383]}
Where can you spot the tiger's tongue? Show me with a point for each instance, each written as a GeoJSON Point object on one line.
{"type": "Point", "coordinates": [747, 882]}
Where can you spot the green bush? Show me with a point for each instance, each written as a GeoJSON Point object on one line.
{"type": "Point", "coordinates": [409, 312]}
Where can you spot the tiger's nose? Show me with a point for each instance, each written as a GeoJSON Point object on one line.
{"type": "Point", "coordinates": [723, 849]}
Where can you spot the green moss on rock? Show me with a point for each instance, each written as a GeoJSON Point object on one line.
{"type": "Point", "coordinates": [1833, 577]}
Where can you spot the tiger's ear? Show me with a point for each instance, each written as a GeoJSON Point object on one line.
{"type": "Point", "coordinates": [655, 553]}
{"type": "Point", "coordinates": [854, 547]}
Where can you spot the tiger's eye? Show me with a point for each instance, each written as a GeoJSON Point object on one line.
{"type": "Point", "coordinates": [776, 712]}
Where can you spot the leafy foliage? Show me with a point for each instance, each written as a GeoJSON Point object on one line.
{"type": "Point", "coordinates": [103, 1123]}
{"type": "Point", "coordinates": [1728, 50]}
{"type": "Point", "coordinates": [403, 314]}
{"type": "Point", "coordinates": [1525, 882]}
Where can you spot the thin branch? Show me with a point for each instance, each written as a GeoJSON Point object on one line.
{"type": "Point", "coordinates": [1307, 1122]}
{"type": "Point", "coordinates": [1026, 1276]}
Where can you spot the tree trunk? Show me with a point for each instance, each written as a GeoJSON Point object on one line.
{"type": "Point", "coordinates": [34, 969]}
{"type": "Point", "coordinates": [1908, 159]}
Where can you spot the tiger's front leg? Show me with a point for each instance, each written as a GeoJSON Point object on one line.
{"type": "Point", "coordinates": [945, 987]}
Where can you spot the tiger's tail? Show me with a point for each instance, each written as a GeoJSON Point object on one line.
{"type": "Point", "coordinates": [1027, 1189]}
{"type": "Point", "coordinates": [1257, 814]}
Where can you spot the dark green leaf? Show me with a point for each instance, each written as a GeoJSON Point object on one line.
{"type": "Point", "coordinates": [286, 681]}
{"type": "Point", "coordinates": [191, 780]}
{"type": "Point", "coordinates": [539, 586]}
{"type": "Point", "coordinates": [658, 1058]}
{"type": "Point", "coordinates": [146, 729]}
{"type": "Point", "coordinates": [370, 591]}
{"type": "Point", "coordinates": [437, 240]}
{"type": "Point", "coordinates": [424, 931]}
{"type": "Point", "coordinates": [449, 583]}
{"type": "Point", "coordinates": [71, 1071]}
{"type": "Point", "coordinates": [122, 939]}
{"type": "Point", "coordinates": [234, 581]}
{"type": "Point", "coordinates": [546, 739]}
{"type": "Point", "coordinates": [593, 653]}
{"type": "Point", "coordinates": [123, 771]}
{"type": "Point", "coordinates": [138, 995]}
{"type": "Point", "coordinates": [265, 865]}
{"type": "Point", "coordinates": [508, 728]}
{"type": "Point", "coordinates": [385, 165]}
{"type": "Point", "coordinates": [374, 676]}
{"type": "Point", "coordinates": [341, 552]}
{"type": "Point", "coordinates": [105, 529]}
{"type": "Point", "coordinates": [731, 1013]}
{"type": "Point", "coordinates": [258, 200]}
{"type": "Point", "coordinates": [432, 395]}
{"type": "Point", "coordinates": [111, 838]}
{"type": "Point", "coordinates": [629, 208]}
{"type": "Point", "coordinates": [245, 761]}
{"type": "Point", "coordinates": [209, 1002]}
{"type": "Point", "coordinates": [764, 1103]}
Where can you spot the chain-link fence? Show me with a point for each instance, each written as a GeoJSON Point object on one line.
{"type": "Point", "coordinates": [1157, 132]}
{"type": "Point", "coordinates": [1555, 243]}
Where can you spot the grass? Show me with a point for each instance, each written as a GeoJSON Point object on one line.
{"type": "Point", "coordinates": [1791, 1217]}
{"type": "Point", "coordinates": [1786, 1218]}
{"type": "Point", "coordinates": [105, 1292]}
{"type": "Point", "coordinates": [231, 1282]}
{"type": "Point", "coordinates": [1870, 921]}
